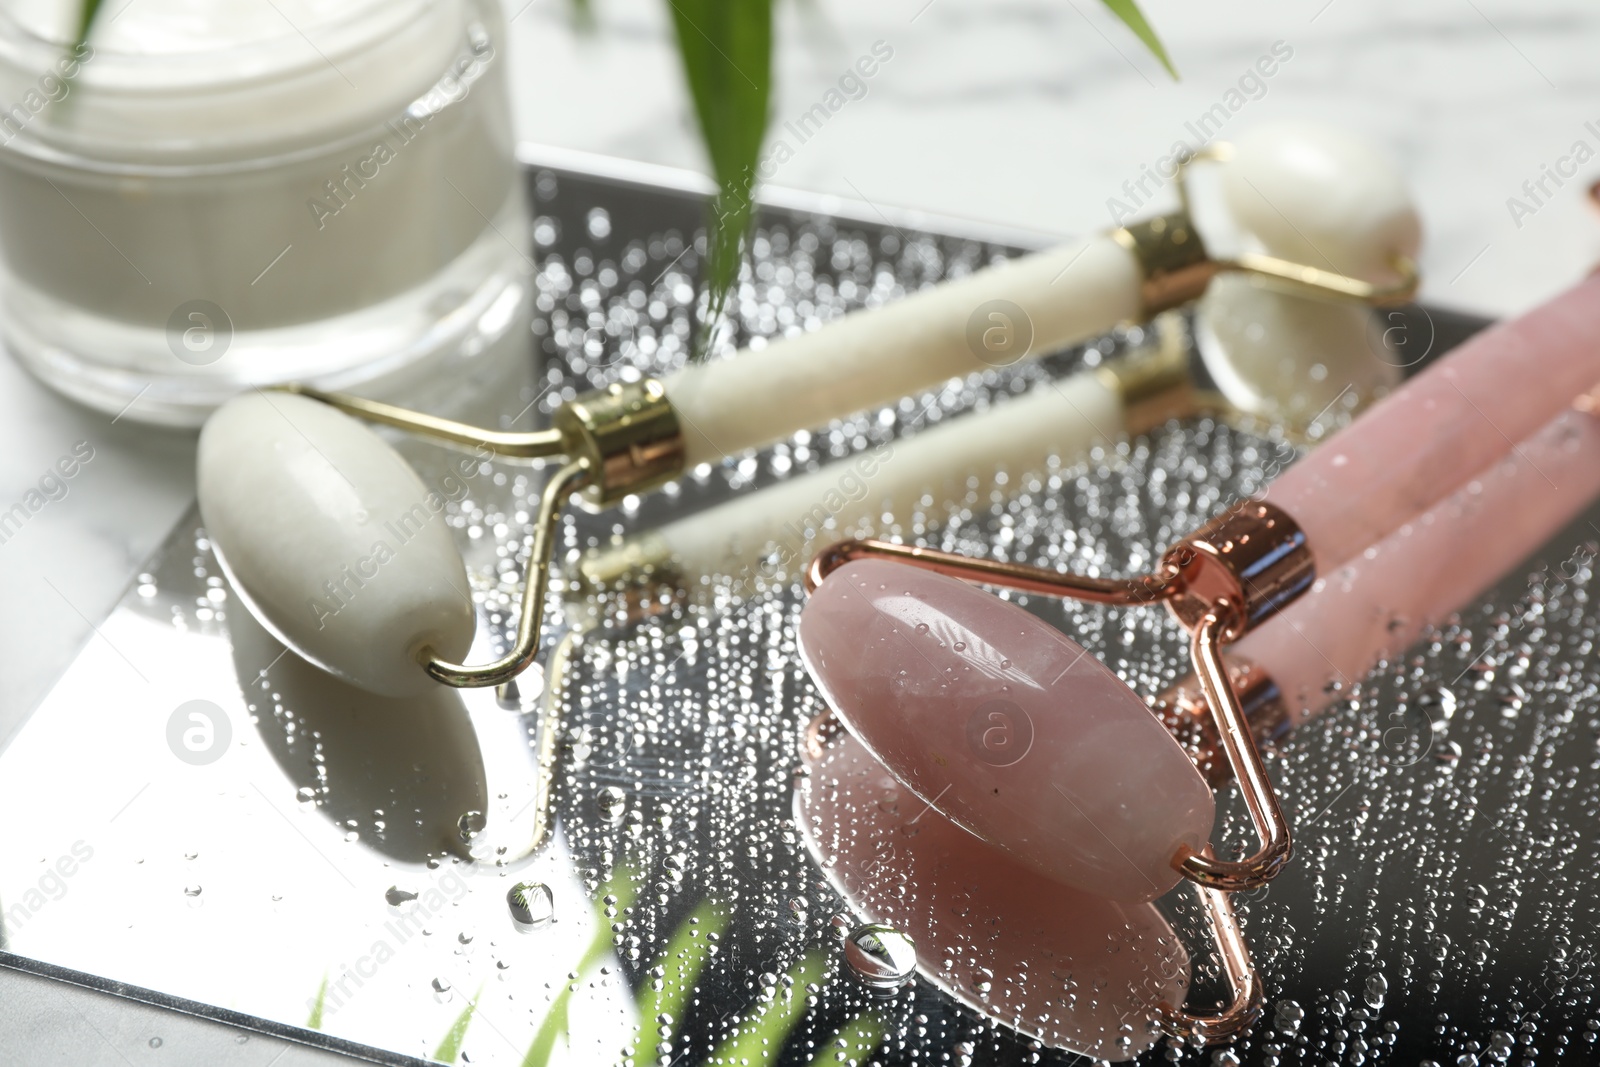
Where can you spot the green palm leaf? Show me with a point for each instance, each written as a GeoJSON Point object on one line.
{"type": "Point", "coordinates": [314, 1020]}
{"type": "Point", "coordinates": [623, 886]}
{"type": "Point", "coordinates": [726, 48]}
{"type": "Point", "coordinates": [450, 1047]}
{"type": "Point", "coordinates": [86, 14]}
{"type": "Point", "coordinates": [761, 1036]}
{"type": "Point", "coordinates": [683, 961]}
{"type": "Point", "coordinates": [1134, 19]}
{"type": "Point", "coordinates": [856, 1039]}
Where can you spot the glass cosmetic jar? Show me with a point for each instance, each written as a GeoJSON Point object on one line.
{"type": "Point", "coordinates": [215, 195]}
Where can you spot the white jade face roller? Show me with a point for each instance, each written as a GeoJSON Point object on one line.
{"type": "Point", "coordinates": [1274, 349]}
{"type": "Point", "coordinates": [299, 498]}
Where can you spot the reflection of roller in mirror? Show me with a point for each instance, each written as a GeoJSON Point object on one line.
{"type": "Point", "coordinates": [353, 753]}
{"type": "Point", "coordinates": [443, 772]}
{"type": "Point", "coordinates": [318, 521]}
{"type": "Point", "coordinates": [1074, 970]}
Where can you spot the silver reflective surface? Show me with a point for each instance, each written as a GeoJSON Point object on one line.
{"type": "Point", "coordinates": [198, 812]}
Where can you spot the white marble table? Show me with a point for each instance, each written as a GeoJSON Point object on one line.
{"type": "Point", "coordinates": [1033, 113]}
{"type": "Point", "coordinates": [1029, 113]}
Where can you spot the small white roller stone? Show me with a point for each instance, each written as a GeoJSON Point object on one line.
{"type": "Point", "coordinates": [1322, 197]}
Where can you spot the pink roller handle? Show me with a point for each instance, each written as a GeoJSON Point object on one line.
{"type": "Point", "coordinates": [1443, 427]}
{"type": "Point", "coordinates": [1378, 603]}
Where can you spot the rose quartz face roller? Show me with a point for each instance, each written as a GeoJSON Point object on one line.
{"type": "Point", "coordinates": [919, 666]}
{"type": "Point", "coordinates": [1014, 924]}
{"type": "Point", "coordinates": [872, 840]}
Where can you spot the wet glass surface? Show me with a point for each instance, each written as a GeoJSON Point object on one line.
{"type": "Point", "coordinates": [196, 811]}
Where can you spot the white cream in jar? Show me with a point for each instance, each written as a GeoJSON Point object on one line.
{"type": "Point", "coordinates": [221, 194]}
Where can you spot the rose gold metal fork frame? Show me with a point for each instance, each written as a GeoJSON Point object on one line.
{"type": "Point", "coordinates": [1224, 620]}
{"type": "Point", "coordinates": [1148, 589]}
{"type": "Point", "coordinates": [1244, 984]}
{"type": "Point", "coordinates": [1238, 741]}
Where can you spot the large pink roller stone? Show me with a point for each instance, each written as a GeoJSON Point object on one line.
{"type": "Point", "coordinates": [1443, 427]}
{"type": "Point", "coordinates": [1069, 968]}
{"type": "Point", "coordinates": [1006, 726]}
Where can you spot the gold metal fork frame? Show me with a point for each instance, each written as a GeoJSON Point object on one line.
{"type": "Point", "coordinates": [1176, 267]}
{"type": "Point", "coordinates": [616, 441]}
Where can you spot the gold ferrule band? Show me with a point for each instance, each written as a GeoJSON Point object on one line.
{"type": "Point", "coordinates": [1174, 266]}
{"type": "Point", "coordinates": [630, 435]}
{"type": "Point", "coordinates": [1156, 384]}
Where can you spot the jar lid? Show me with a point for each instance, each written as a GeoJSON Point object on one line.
{"type": "Point", "coordinates": [220, 82]}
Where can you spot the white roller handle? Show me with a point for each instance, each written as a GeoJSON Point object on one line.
{"type": "Point", "coordinates": [1317, 195]}
{"type": "Point", "coordinates": [873, 357]}
{"type": "Point", "coordinates": [786, 522]}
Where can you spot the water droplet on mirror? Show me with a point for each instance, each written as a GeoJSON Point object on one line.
{"type": "Point", "coordinates": [532, 906]}
{"type": "Point", "coordinates": [882, 957]}
{"type": "Point", "coordinates": [470, 825]}
{"type": "Point", "coordinates": [191, 890]}
{"type": "Point", "coordinates": [397, 896]}
{"type": "Point", "coordinates": [612, 803]}
{"type": "Point", "coordinates": [1501, 1045]}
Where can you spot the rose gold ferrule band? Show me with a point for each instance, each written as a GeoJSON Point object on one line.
{"type": "Point", "coordinates": [1252, 557]}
